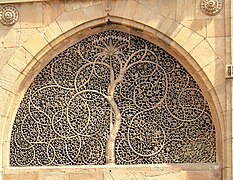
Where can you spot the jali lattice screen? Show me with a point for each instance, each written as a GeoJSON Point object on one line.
{"type": "Point", "coordinates": [112, 98]}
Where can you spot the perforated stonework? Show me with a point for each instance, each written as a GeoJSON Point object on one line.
{"type": "Point", "coordinates": [112, 98]}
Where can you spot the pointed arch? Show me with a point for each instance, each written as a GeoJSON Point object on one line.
{"type": "Point", "coordinates": [149, 34]}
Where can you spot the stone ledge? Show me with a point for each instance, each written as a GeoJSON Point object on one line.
{"type": "Point", "coordinates": [159, 168]}
{"type": "Point", "coordinates": [186, 171]}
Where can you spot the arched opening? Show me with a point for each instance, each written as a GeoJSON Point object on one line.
{"type": "Point", "coordinates": [122, 98]}
{"type": "Point", "coordinates": [145, 36]}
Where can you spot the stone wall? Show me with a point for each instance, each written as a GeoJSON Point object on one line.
{"type": "Point", "coordinates": [45, 28]}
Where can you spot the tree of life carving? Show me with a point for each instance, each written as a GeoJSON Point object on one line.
{"type": "Point", "coordinates": [112, 98]}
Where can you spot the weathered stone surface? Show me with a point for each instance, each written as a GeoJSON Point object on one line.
{"type": "Point", "coordinates": [181, 22]}
{"type": "Point", "coordinates": [29, 176]}
{"type": "Point", "coordinates": [51, 10]}
{"type": "Point", "coordinates": [10, 177]}
{"type": "Point", "coordinates": [32, 47]}
{"type": "Point", "coordinates": [204, 52]}
{"type": "Point", "coordinates": [69, 20]}
{"type": "Point", "coordinates": [31, 15]}
{"type": "Point", "coordinates": [215, 28]}
{"type": "Point", "coordinates": [187, 13]}
{"type": "Point", "coordinates": [8, 38]}
{"type": "Point", "coordinates": [89, 176]}
{"type": "Point", "coordinates": [5, 55]}
{"type": "Point", "coordinates": [193, 175]}
{"type": "Point", "coordinates": [53, 176]}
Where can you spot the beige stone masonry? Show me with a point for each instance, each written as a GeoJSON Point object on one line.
{"type": "Point", "coordinates": [174, 176]}
{"type": "Point", "coordinates": [126, 176]}
{"type": "Point", "coordinates": [188, 39]}
{"type": "Point", "coordinates": [5, 55]}
{"type": "Point", "coordinates": [135, 172]}
{"type": "Point", "coordinates": [52, 32]}
{"type": "Point", "coordinates": [140, 15]}
{"type": "Point", "coordinates": [215, 66]}
{"type": "Point", "coordinates": [84, 4]}
{"type": "Point", "coordinates": [4, 94]}
{"type": "Point", "coordinates": [218, 45]}
{"type": "Point", "coordinates": [30, 176]}
{"type": "Point", "coordinates": [198, 26]}
{"type": "Point", "coordinates": [45, 28]}
{"type": "Point", "coordinates": [8, 75]}
{"type": "Point", "coordinates": [215, 28]}
{"type": "Point", "coordinates": [154, 20]}
{"type": "Point", "coordinates": [35, 43]}
{"type": "Point", "coordinates": [10, 177]}
{"type": "Point", "coordinates": [69, 20]}
{"type": "Point", "coordinates": [151, 4]}
{"type": "Point", "coordinates": [19, 60]}
{"type": "Point", "coordinates": [94, 12]}
{"type": "Point", "coordinates": [167, 9]}
{"type": "Point", "coordinates": [166, 24]}
{"type": "Point", "coordinates": [204, 52]}
{"type": "Point", "coordinates": [124, 9]}
{"type": "Point", "coordinates": [202, 175]}
{"type": "Point", "coordinates": [24, 34]}
{"type": "Point", "coordinates": [51, 10]}
{"type": "Point", "coordinates": [186, 13]}
{"type": "Point", "coordinates": [8, 38]}
{"type": "Point", "coordinates": [31, 15]}
{"type": "Point", "coordinates": [220, 90]}
{"type": "Point", "coordinates": [89, 176]}
{"type": "Point", "coordinates": [174, 29]}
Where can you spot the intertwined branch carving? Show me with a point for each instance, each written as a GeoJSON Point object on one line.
{"type": "Point", "coordinates": [112, 98]}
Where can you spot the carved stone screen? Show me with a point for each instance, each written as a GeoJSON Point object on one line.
{"type": "Point", "coordinates": [116, 98]}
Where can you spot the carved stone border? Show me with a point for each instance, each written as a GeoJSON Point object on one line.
{"type": "Point", "coordinates": [9, 15]}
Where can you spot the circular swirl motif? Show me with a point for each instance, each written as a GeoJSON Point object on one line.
{"type": "Point", "coordinates": [9, 15]}
{"type": "Point", "coordinates": [68, 115]}
{"type": "Point", "coordinates": [145, 138]}
{"type": "Point", "coordinates": [211, 7]}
